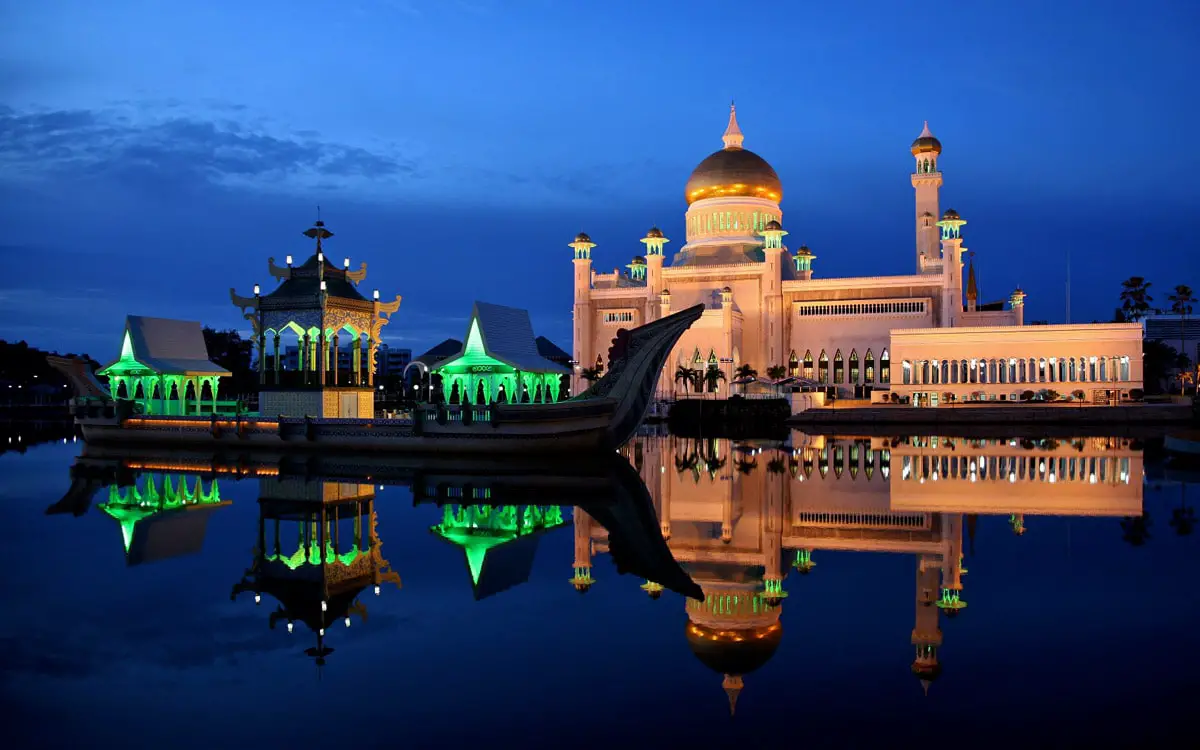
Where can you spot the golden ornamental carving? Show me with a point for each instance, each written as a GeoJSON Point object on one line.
{"type": "Point", "coordinates": [280, 272]}
{"type": "Point", "coordinates": [359, 275]}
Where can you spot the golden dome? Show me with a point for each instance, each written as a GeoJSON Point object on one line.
{"type": "Point", "coordinates": [735, 652]}
{"type": "Point", "coordinates": [773, 226]}
{"type": "Point", "coordinates": [926, 143]}
{"type": "Point", "coordinates": [654, 233]}
{"type": "Point", "coordinates": [733, 172]}
{"type": "Point", "coordinates": [582, 237]}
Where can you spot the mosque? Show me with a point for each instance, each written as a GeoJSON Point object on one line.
{"type": "Point", "coordinates": [765, 307]}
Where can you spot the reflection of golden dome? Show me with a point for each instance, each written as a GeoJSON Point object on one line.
{"type": "Point", "coordinates": [734, 652]}
{"type": "Point", "coordinates": [734, 172]}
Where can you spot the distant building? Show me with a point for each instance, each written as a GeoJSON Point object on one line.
{"type": "Point", "coordinates": [391, 360]}
{"type": "Point", "coordinates": [1175, 330]}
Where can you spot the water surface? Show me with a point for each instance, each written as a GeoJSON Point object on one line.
{"type": "Point", "coordinates": [823, 563]}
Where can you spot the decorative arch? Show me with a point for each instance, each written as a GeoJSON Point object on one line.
{"type": "Point", "coordinates": [854, 366]}
{"type": "Point", "coordinates": [885, 367]}
{"type": "Point", "coordinates": [823, 367]}
{"type": "Point", "coordinates": [839, 367]}
{"type": "Point", "coordinates": [793, 364]}
{"type": "Point", "coordinates": [869, 369]}
{"type": "Point", "coordinates": [808, 364]}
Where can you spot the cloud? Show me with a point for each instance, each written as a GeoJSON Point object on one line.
{"type": "Point", "coordinates": [164, 147]}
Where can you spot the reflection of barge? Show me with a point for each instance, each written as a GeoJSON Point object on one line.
{"type": "Point", "coordinates": [602, 417]}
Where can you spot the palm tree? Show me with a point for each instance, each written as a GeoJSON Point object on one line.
{"type": "Point", "coordinates": [1135, 298]}
{"type": "Point", "coordinates": [1181, 301]}
{"type": "Point", "coordinates": [745, 371]}
{"type": "Point", "coordinates": [591, 374]}
{"type": "Point", "coordinates": [685, 375]}
{"type": "Point", "coordinates": [712, 376]}
{"type": "Point", "coordinates": [1136, 529]}
{"type": "Point", "coordinates": [776, 372]}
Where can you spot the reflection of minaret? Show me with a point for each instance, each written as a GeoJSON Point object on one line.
{"type": "Point", "coordinates": [582, 522]}
{"type": "Point", "coordinates": [317, 550]}
{"type": "Point", "coordinates": [733, 632]}
{"type": "Point", "coordinates": [926, 635]}
{"type": "Point", "coordinates": [1017, 522]}
{"type": "Point", "coordinates": [952, 569]}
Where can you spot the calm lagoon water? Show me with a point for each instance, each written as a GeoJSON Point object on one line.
{"type": "Point", "coordinates": [131, 618]}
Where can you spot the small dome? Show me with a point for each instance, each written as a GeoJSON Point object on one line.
{"type": "Point", "coordinates": [666, 292]}
{"type": "Point", "coordinates": [734, 652]}
{"type": "Point", "coordinates": [727, 290]}
{"type": "Point", "coordinates": [804, 250]}
{"type": "Point", "coordinates": [950, 215]}
{"type": "Point", "coordinates": [639, 260]}
{"type": "Point", "coordinates": [773, 226]}
{"type": "Point", "coordinates": [654, 233]}
{"type": "Point", "coordinates": [582, 237]}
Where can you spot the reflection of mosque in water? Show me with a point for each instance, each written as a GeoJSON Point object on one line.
{"type": "Point", "coordinates": [735, 514]}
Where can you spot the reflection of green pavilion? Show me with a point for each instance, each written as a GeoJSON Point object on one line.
{"type": "Point", "coordinates": [317, 550]}
{"type": "Point", "coordinates": [162, 515]}
{"type": "Point", "coordinates": [499, 541]}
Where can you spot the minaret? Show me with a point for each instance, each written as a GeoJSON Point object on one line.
{"type": "Point", "coordinates": [727, 329]}
{"type": "Point", "coordinates": [582, 522]}
{"type": "Point", "coordinates": [582, 347]}
{"type": "Point", "coordinates": [804, 259]}
{"type": "Point", "coordinates": [972, 287]}
{"type": "Point", "coordinates": [926, 180]}
{"type": "Point", "coordinates": [952, 267]}
{"type": "Point", "coordinates": [654, 242]}
{"type": "Point", "coordinates": [665, 383]}
{"type": "Point", "coordinates": [1017, 301]}
{"type": "Point", "coordinates": [926, 636]}
{"type": "Point", "coordinates": [772, 291]}
{"type": "Point", "coordinates": [952, 571]}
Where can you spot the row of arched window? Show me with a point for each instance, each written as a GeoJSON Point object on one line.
{"type": "Point", "coordinates": [1086, 469]}
{"type": "Point", "coordinates": [1012, 370]}
{"type": "Point", "coordinates": [725, 221]}
{"type": "Point", "coordinates": [927, 166]}
{"type": "Point", "coordinates": [837, 374]}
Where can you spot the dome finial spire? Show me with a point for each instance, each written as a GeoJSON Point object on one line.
{"type": "Point", "coordinates": [925, 131]}
{"type": "Point", "coordinates": [733, 134]}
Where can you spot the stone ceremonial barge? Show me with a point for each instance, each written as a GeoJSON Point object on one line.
{"type": "Point", "coordinates": [162, 390]}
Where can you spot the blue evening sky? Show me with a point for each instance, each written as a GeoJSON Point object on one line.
{"type": "Point", "coordinates": [154, 154]}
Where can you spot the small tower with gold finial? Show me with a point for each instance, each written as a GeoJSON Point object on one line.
{"type": "Point", "coordinates": [733, 137]}
{"type": "Point", "coordinates": [972, 286]}
{"type": "Point", "coordinates": [926, 181]}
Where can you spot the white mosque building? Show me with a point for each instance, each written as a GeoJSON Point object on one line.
{"type": "Point", "coordinates": [765, 307]}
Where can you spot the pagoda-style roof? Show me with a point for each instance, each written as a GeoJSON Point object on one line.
{"type": "Point", "coordinates": [497, 333]}
{"type": "Point", "coordinates": [304, 282]}
{"type": "Point", "coordinates": [163, 346]}
{"type": "Point", "coordinates": [549, 350]}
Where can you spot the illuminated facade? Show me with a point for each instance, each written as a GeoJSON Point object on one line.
{"type": "Point", "coordinates": [741, 517]}
{"type": "Point", "coordinates": [499, 361]}
{"type": "Point", "coordinates": [164, 368]}
{"type": "Point", "coordinates": [318, 306]}
{"type": "Point", "coordinates": [764, 307]}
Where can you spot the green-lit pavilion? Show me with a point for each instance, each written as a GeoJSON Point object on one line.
{"type": "Point", "coordinates": [499, 361]}
{"type": "Point", "coordinates": [161, 361]}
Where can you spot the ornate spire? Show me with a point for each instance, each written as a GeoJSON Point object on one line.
{"type": "Point", "coordinates": [733, 134]}
{"type": "Point", "coordinates": [318, 231]}
{"type": "Point", "coordinates": [733, 687]}
{"type": "Point", "coordinates": [925, 131]}
{"type": "Point", "coordinates": [972, 287]}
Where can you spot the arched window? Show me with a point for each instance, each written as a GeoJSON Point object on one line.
{"type": "Point", "coordinates": [823, 367]}
{"type": "Point", "coordinates": [808, 364]}
{"type": "Point", "coordinates": [963, 373]}
{"type": "Point", "coordinates": [599, 363]}
{"type": "Point", "coordinates": [945, 371]}
{"type": "Point", "coordinates": [885, 367]}
{"type": "Point", "coordinates": [793, 365]}
{"type": "Point", "coordinates": [712, 358]}
{"type": "Point", "coordinates": [839, 367]}
{"type": "Point", "coordinates": [869, 367]}
{"type": "Point", "coordinates": [854, 366]}
{"type": "Point", "coordinates": [696, 357]}
{"type": "Point", "coordinates": [1103, 371]}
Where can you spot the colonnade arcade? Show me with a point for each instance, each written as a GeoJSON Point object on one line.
{"type": "Point", "coordinates": [842, 369]}
{"type": "Point", "coordinates": [500, 386]}
{"type": "Point", "coordinates": [1004, 370]}
{"type": "Point", "coordinates": [174, 395]}
{"type": "Point", "coordinates": [333, 356]}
